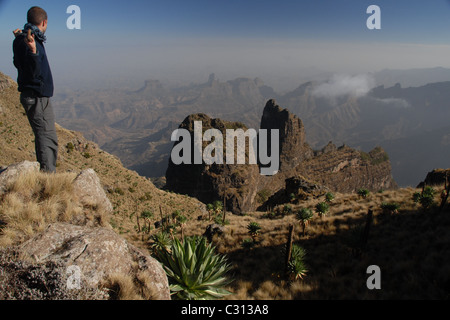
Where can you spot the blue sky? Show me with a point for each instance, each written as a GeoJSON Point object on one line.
{"type": "Point", "coordinates": [125, 42]}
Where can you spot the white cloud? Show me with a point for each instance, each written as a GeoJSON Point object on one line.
{"type": "Point", "coordinates": [342, 85]}
{"type": "Point", "coordinates": [394, 102]}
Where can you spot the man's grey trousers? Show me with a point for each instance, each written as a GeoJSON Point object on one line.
{"type": "Point", "coordinates": [42, 120]}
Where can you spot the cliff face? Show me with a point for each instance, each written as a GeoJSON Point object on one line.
{"type": "Point", "coordinates": [345, 169]}
{"type": "Point", "coordinates": [238, 183]}
{"type": "Point", "coordinates": [339, 169]}
{"type": "Point", "coordinates": [293, 147]}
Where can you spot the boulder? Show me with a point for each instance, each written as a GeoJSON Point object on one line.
{"type": "Point", "coordinates": [24, 280]}
{"type": "Point", "coordinates": [299, 186]}
{"type": "Point", "coordinates": [13, 171]}
{"type": "Point", "coordinates": [88, 187]}
{"type": "Point", "coordinates": [83, 247]}
{"type": "Point", "coordinates": [92, 254]}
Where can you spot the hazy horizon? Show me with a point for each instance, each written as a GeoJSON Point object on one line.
{"type": "Point", "coordinates": [121, 44]}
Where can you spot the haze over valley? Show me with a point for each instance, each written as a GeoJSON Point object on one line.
{"type": "Point", "coordinates": [404, 111]}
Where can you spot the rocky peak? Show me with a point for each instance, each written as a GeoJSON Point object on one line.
{"type": "Point", "coordinates": [293, 147]}
{"type": "Point", "coordinates": [212, 79]}
{"type": "Point", "coordinates": [330, 147]}
{"type": "Point", "coordinates": [209, 183]}
{"type": "Point", "coordinates": [340, 169]}
{"type": "Point", "coordinates": [151, 86]}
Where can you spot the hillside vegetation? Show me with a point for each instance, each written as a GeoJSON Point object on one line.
{"type": "Point", "coordinates": [410, 246]}
{"type": "Point", "coordinates": [408, 241]}
{"type": "Point", "coordinates": [129, 193]}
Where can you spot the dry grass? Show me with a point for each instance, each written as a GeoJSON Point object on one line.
{"type": "Point", "coordinates": [121, 287]}
{"type": "Point", "coordinates": [411, 248]}
{"type": "Point", "coordinates": [34, 200]}
{"type": "Point", "coordinates": [126, 287]}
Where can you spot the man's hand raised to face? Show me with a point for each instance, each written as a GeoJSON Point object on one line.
{"type": "Point", "coordinates": [29, 40]}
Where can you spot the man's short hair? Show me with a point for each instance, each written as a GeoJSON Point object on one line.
{"type": "Point", "coordinates": [36, 15]}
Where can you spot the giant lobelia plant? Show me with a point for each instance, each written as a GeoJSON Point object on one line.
{"type": "Point", "coordinates": [194, 270]}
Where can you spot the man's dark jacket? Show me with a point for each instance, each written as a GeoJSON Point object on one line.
{"type": "Point", "coordinates": [33, 69]}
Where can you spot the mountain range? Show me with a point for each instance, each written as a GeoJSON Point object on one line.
{"type": "Point", "coordinates": [409, 123]}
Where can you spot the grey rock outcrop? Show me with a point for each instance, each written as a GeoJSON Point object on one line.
{"type": "Point", "coordinates": [81, 249]}
{"type": "Point", "coordinates": [66, 261]}
{"type": "Point", "coordinates": [13, 171]}
{"type": "Point", "coordinates": [237, 183]}
{"type": "Point", "coordinates": [96, 253]}
{"type": "Point", "coordinates": [293, 147]}
{"type": "Point", "coordinates": [88, 187]}
{"type": "Point", "coordinates": [24, 280]}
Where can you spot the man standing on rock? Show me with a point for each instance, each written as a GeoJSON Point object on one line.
{"type": "Point", "coordinates": [36, 86]}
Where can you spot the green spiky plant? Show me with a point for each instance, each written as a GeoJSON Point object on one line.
{"type": "Point", "coordinates": [253, 230]}
{"type": "Point", "coordinates": [287, 209]}
{"type": "Point", "coordinates": [329, 197]}
{"type": "Point", "coordinates": [296, 266]}
{"type": "Point", "coordinates": [322, 208]}
{"type": "Point", "coordinates": [194, 270]}
{"type": "Point", "coordinates": [390, 208]}
{"type": "Point", "coordinates": [416, 197]}
{"type": "Point", "coordinates": [363, 193]}
{"type": "Point", "coordinates": [425, 198]}
{"type": "Point", "coordinates": [218, 206]}
{"type": "Point", "coordinates": [162, 241]}
{"type": "Point", "coordinates": [304, 215]}
{"type": "Point", "coordinates": [292, 197]}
